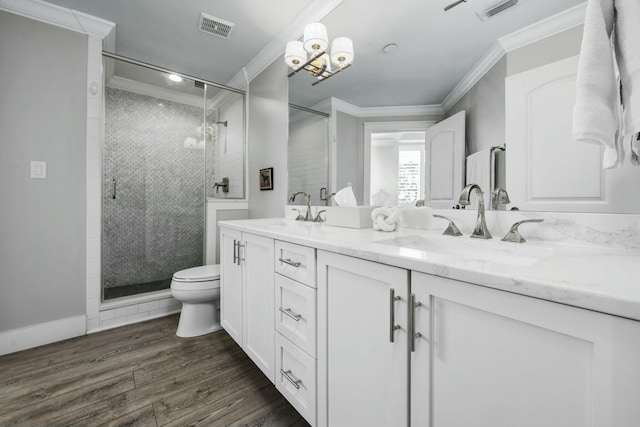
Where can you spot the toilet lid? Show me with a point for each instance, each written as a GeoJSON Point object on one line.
{"type": "Point", "coordinates": [203, 273]}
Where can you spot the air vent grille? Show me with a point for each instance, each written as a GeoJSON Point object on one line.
{"type": "Point", "coordinates": [497, 8]}
{"type": "Point", "coordinates": [216, 26]}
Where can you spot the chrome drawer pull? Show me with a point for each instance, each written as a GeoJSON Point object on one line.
{"type": "Point", "coordinates": [291, 314]}
{"type": "Point", "coordinates": [392, 314]}
{"type": "Point", "coordinates": [286, 374]}
{"type": "Point", "coordinates": [291, 263]}
{"type": "Point", "coordinates": [413, 335]}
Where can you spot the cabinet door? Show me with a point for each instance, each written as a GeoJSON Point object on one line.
{"type": "Point", "coordinates": [258, 289]}
{"type": "Point", "coordinates": [231, 284]}
{"type": "Point", "coordinates": [501, 359]}
{"type": "Point", "coordinates": [362, 374]}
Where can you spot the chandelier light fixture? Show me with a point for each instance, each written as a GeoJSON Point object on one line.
{"type": "Point", "coordinates": [311, 53]}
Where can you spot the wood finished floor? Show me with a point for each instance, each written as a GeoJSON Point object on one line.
{"type": "Point", "coordinates": [139, 375]}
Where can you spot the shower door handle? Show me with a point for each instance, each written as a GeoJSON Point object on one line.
{"type": "Point", "coordinates": [113, 186]}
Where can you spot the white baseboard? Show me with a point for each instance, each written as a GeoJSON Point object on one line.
{"type": "Point", "coordinates": [43, 333]}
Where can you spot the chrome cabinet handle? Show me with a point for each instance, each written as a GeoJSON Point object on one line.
{"type": "Point", "coordinates": [290, 262]}
{"type": "Point", "coordinates": [113, 191]}
{"type": "Point", "coordinates": [235, 251]}
{"type": "Point", "coordinates": [240, 246]}
{"type": "Point", "coordinates": [287, 375]}
{"type": "Point", "coordinates": [412, 322]}
{"type": "Point", "coordinates": [291, 314]}
{"type": "Point", "coordinates": [392, 314]}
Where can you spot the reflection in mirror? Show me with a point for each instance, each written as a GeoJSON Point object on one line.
{"type": "Point", "coordinates": [468, 73]}
{"type": "Point", "coordinates": [308, 154]}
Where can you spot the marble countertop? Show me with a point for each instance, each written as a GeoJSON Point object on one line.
{"type": "Point", "coordinates": [596, 277]}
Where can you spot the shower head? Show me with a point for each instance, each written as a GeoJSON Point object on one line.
{"type": "Point", "coordinates": [222, 123]}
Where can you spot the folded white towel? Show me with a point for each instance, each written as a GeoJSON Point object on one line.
{"type": "Point", "coordinates": [598, 115]}
{"type": "Point", "coordinates": [384, 218]}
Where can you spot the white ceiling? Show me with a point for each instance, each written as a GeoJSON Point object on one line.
{"type": "Point", "coordinates": [436, 48]}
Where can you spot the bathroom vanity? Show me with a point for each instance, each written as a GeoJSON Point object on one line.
{"type": "Point", "coordinates": [358, 327]}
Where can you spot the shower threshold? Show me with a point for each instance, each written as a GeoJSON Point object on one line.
{"type": "Point", "coordinates": [135, 289]}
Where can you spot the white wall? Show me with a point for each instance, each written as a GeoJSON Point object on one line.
{"type": "Point", "coordinates": [43, 73]}
{"type": "Point", "coordinates": [267, 139]}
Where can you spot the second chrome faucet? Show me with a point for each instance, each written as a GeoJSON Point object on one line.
{"type": "Point", "coordinates": [480, 231]}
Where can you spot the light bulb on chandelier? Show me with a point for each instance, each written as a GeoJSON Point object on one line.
{"type": "Point", "coordinates": [311, 53]}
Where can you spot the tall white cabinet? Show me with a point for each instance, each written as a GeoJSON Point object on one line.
{"type": "Point", "coordinates": [362, 343]}
{"type": "Point", "coordinates": [247, 295]}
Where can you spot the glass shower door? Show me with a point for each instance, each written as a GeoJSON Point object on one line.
{"type": "Point", "coordinates": [153, 204]}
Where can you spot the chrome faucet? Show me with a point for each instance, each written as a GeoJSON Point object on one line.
{"type": "Point", "coordinates": [499, 197]}
{"type": "Point", "coordinates": [481, 231]}
{"type": "Point", "coordinates": [308, 216]}
{"type": "Point", "coordinates": [224, 184]}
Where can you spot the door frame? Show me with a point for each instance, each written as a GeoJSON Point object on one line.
{"type": "Point", "coordinates": [386, 127]}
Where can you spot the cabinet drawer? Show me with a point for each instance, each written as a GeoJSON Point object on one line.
{"type": "Point", "coordinates": [296, 378]}
{"type": "Point", "coordinates": [297, 262]}
{"type": "Point", "coordinates": [296, 313]}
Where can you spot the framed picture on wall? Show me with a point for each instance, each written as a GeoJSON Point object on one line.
{"type": "Point", "coordinates": [266, 179]}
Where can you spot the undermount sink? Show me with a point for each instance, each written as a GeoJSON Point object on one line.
{"type": "Point", "coordinates": [470, 249]}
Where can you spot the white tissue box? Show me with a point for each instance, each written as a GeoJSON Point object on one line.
{"type": "Point", "coordinates": [351, 217]}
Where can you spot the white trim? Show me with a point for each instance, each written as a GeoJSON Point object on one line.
{"type": "Point", "coordinates": [315, 12]}
{"type": "Point", "coordinates": [537, 31]}
{"type": "Point", "coordinates": [20, 339]}
{"type": "Point", "coordinates": [545, 28]}
{"type": "Point", "coordinates": [59, 16]}
{"type": "Point", "coordinates": [486, 62]}
{"type": "Point", "coordinates": [155, 91]}
{"type": "Point", "coordinates": [394, 111]}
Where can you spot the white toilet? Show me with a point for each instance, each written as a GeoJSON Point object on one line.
{"type": "Point", "coordinates": [198, 289]}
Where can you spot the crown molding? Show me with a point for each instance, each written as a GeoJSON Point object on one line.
{"type": "Point", "coordinates": [315, 12]}
{"type": "Point", "coordinates": [59, 16]}
{"type": "Point", "coordinates": [530, 34]}
{"type": "Point", "coordinates": [545, 28]}
{"type": "Point", "coordinates": [486, 62]}
{"type": "Point", "coordinates": [395, 111]}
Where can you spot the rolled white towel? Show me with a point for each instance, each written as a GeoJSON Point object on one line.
{"type": "Point", "coordinates": [384, 218]}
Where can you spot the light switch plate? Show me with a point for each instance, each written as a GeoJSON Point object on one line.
{"type": "Point", "coordinates": [38, 170]}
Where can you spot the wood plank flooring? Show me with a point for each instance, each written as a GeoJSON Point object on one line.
{"type": "Point", "coordinates": [140, 375]}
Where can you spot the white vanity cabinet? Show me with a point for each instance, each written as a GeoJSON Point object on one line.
{"type": "Point", "coordinates": [247, 295]}
{"type": "Point", "coordinates": [362, 343]}
{"type": "Point", "coordinates": [489, 358]}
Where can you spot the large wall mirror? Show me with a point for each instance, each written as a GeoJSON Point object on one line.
{"type": "Point", "coordinates": [462, 60]}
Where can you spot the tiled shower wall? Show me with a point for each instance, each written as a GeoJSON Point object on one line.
{"type": "Point", "coordinates": [154, 149]}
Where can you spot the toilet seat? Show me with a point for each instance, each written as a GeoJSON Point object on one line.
{"type": "Point", "coordinates": [197, 278]}
{"type": "Point", "coordinates": [203, 273]}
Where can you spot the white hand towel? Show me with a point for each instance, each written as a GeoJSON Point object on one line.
{"type": "Point", "coordinates": [600, 97]}
{"type": "Point", "coordinates": [479, 172]}
{"type": "Point", "coordinates": [384, 218]}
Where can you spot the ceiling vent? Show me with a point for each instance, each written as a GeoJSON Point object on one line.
{"type": "Point", "coordinates": [216, 26]}
{"type": "Point", "coordinates": [497, 8]}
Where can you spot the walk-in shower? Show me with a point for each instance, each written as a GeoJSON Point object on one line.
{"type": "Point", "coordinates": [166, 142]}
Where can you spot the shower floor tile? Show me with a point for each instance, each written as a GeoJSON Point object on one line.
{"type": "Point", "coordinates": [135, 289]}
